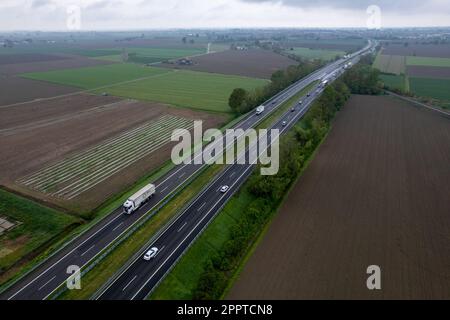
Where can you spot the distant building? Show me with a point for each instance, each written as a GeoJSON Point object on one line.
{"type": "Point", "coordinates": [185, 62]}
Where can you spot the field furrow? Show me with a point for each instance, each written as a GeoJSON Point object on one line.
{"type": "Point", "coordinates": [81, 172]}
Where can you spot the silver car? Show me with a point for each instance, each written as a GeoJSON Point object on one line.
{"type": "Point", "coordinates": [151, 254]}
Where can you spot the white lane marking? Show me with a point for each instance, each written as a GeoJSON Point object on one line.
{"type": "Point", "coordinates": [166, 228]}
{"type": "Point", "coordinates": [184, 225]}
{"type": "Point", "coordinates": [124, 288]}
{"type": "Point", "coordinates": [46, 283]}
{"type": "Point", "coordinates": [233, 174]}
{"type": "Point", "coordinates": [87, 250]}
{"type": "Point", "coordinates": [201, 206]}
{"type": "Point", "coordinates": [65, 256]}
{"type": "Point", "coordinates": [195, 227]}
{"type": "Point", "coordinates": [294, 87]}
{"type": "Point", "coordinates": [182, 175]}
{"type": "Point", "coordinates": [164, 189]}
{"type": "Point", "coordinates": [170, 225]}
{"type": "Point", "coordinates": [118, 226]}
{"type": "Point", "coordinates": [188, 235]}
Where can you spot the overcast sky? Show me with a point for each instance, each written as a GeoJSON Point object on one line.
{"type": "Point", "coordinates": [161, 14]}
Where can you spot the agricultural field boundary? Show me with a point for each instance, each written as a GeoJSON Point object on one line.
{"type": "Point", "coordinates": [418, 103]}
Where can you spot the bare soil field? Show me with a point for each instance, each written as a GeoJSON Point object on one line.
{"type": "Point", "coordinates": [64, 62]}
{"type": "Point", "coordinates": [66, 126]}
{"type": "Point", "coordinates": [420, 50]}
{"type": "Point", "coordinates": [28, 58]}
{"type": "Point", "coordinates": [375, 194]}
{"type": "Point", "coordinates": [428, 72]}
{"type": "Point", "coordinates": [250, 63]}
{"type": "Point", "coordinates": [14, 89]}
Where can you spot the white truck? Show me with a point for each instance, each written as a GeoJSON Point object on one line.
{"type": "Point", "coordinates": [139, 198]}
{"type": "Point", "coordinates": [260, 110]}
{"type": "Point", "coordinates": [324, 83]}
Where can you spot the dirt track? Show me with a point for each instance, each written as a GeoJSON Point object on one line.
{"type": "Point", "coordinates": [376, 194]}
{"type": "Point", "coordinates": [66, 126]}
{"type": "Point", "coordinates": [250, 63]}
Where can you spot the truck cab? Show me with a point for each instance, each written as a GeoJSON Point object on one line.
{"type": "Point", "coordinates": [138, 199]}
{"type": "Point", "coordinates": [128, 207]}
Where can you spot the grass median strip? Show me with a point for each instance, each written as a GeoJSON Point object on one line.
{"type": "Point", "coordinates": [182, 281]}
{"type": "Point", "coordinates": [94, 279]}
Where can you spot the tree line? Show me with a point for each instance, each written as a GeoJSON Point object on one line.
{"type": "Point", "coordinates": [242, 101]}
{"type": "Point", "coordinates": [267, 192]}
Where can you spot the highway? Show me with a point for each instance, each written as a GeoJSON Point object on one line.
{"type": "Point", "coordinates": [140, 277]}
{"type": "Point", "coordinates": [41, 282]}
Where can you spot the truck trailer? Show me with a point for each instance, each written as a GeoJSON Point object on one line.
{"type": "Point", "coordinates": [139, 198]}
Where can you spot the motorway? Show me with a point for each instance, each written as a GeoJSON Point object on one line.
{"type": "Point", "coordinates": [140, 277]}
{"type": "Point", "coordinates": [41, 282]}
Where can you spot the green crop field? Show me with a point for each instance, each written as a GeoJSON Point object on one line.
{"type": "Point", "coordinates": [316, 53]}
{"type": "Point", "coordinates": [336, 44]}
{"type": "Point", "coordinates": [430, 62]}
{"type": "Point", "coordinates": [393, 82]}
{"type": "Point", "coordinates": [36, 225]}
{"type": "Point", "coordinates": [390, 64]}
{"type": "Point", "coordinates": [189, 89]}
{"type": "Point", "coordinates": [95, 77]}
{"type": "Point", "coordinates": [432, 88]}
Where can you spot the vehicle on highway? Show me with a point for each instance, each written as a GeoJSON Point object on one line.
{"type": "Point", "coordinates": [260, 110]}
{"type": "Point", "coordinates": [284, 124]}
{"type": "Point", "coordinates": [300, 102]}
{"type": "Point", "coordinates": [151, 254]}
{"type": "Point", "coordinates": [308, 95]}
{"type": "Point", "coordinates": [139, 198]}
{"type": "Point", "coordinates": [224, 189]}
{"type": "Point", "coordinates": [293, 110]}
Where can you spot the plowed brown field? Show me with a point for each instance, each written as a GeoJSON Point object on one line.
{"type": "Point", "coordinates": [249, 63]}
{"type": "Point", "coordinates": [377, 193]}
{"type": "Point", "coordinates": [38, 134]}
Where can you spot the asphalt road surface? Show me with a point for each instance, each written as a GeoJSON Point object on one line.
{"type": "Point", "coordinates": [140, 277]}
{"type": "Point", "coordinates": [52, 273]}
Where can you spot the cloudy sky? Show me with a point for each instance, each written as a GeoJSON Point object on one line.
{"type": "Point", "coordinates": [161, 14]}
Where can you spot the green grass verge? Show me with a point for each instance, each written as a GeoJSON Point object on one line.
{"type": "Point", "coordinates": [36, 225]}
{"type": "Point", "coordinates": [322, 54]}
{"type": "Point", "coordinates": [196, 90]}
{"type": "Point", "coordinates": [430, 62]}
{"type": "Point", "coordinates": [102, 272]}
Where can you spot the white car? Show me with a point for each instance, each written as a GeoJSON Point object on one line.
{"type": "Point", "coordinates": [151, 254]}
{"type": "Point", "coordinates": [284, 124]}
{"type": "Point", "coordinates": [224, 189]}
